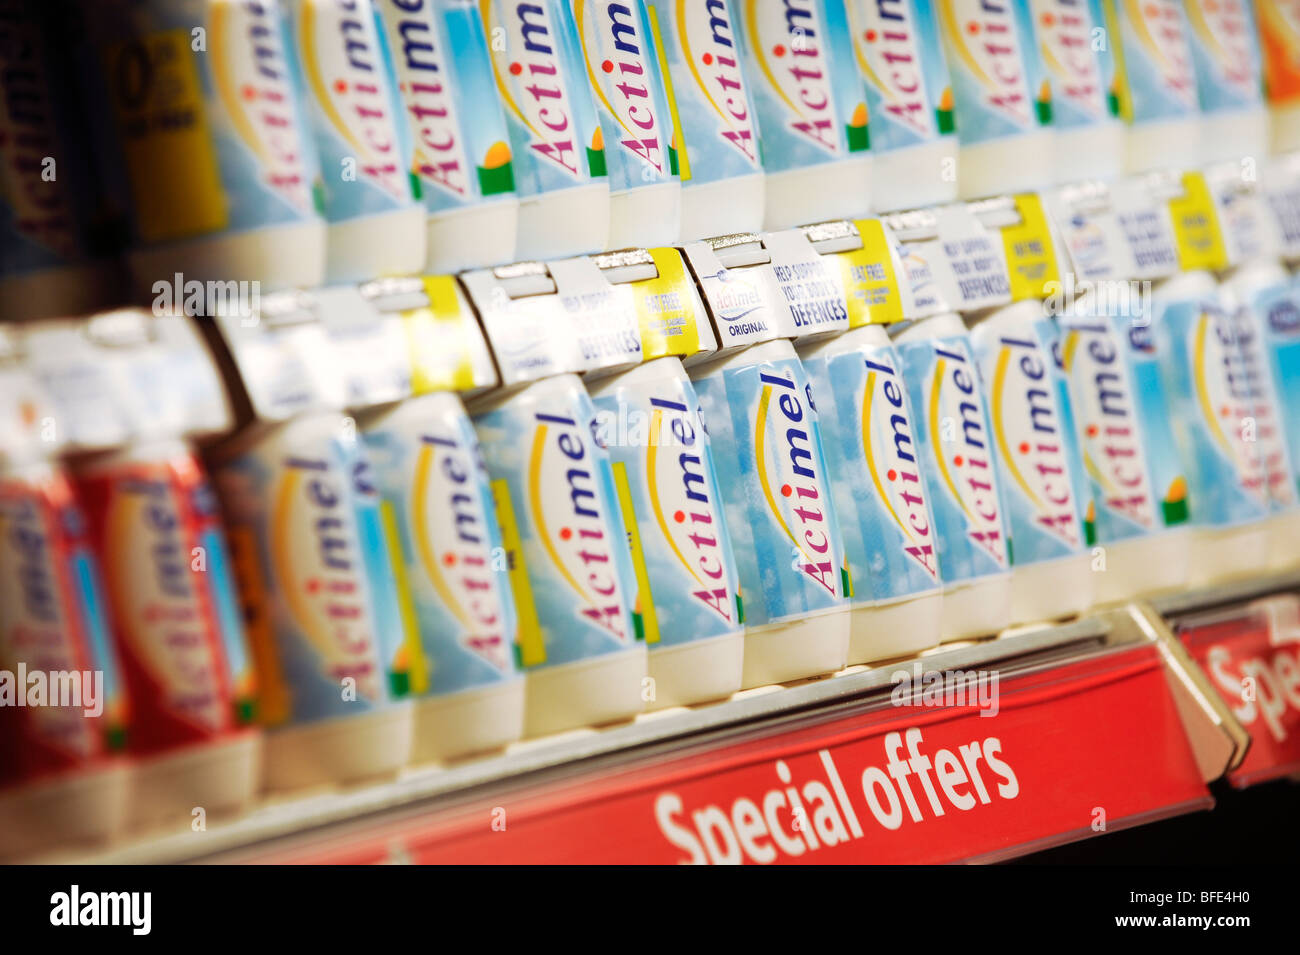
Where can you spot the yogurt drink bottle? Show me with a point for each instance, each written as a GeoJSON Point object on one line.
{"type": "Point", "coordinates": [454, 116]}
{"type": "Point", "coordinates": [955, 436]}
{"type": "Point", "coordinates": [881, 495]}
{"type": "Point", "coordinates": [64, 778]}
{"type": "Point", "coordinates": [1225, 50]}
{"type": "Point", "coordinates": [909, 101]}
{"type": "Point", "coordinates": [580, 637]}
{"type": "Point", "coordinates": [642, 154]}
{"type": "Point", "coordinates": [1212, 406]}
{"type": "Point", "coordinates": [452, 578]}
{"type": "Point", "coordinates": [1088, 137]}
{"type": "Point", "coordinates": [1268, 311]}
{"type": "Point", "coordinates": [154, 525]}
{"type": "Point", "coordinates": [768, 450]}
{"type": "Point", "coordinates": [556, 143]}
{"type": "Point", "coordinates": [1157, 83]}
{"type": "Point", "coordinates": [719, 160]}
{"type": "Point", "coordinates": [303, 521]}
{"type": "Point", "coordinates": [221, 165]}
{"type": "Point", "coordinates": [812, 109]}
{"type": "Point", "coordinates": [687, 592]}
{"type": "Point", "coordinates": [764, 429]}
{"type": "Point", "coordinates": [1001, 97]}
{"type": "Point", "coordinates": [1279, 38]}
{"type": "Point", "coordinates": [355, 118]}
{"type": "Point", "coordinates": [687, 583]}
{"type": "Point", "coordinates": [1038, 463]}
{"type": "Point", "coordinates": [1139, 491]}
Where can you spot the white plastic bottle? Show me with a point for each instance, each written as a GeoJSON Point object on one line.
{"type": "Point", "coordinates": [1087, 135]}
{"type": "Point", "coordinates": [170, 595]}
{"type": "Point", "coordinates": [761, 412]}
{"type": "Point", "coordinates": [1001, 97]}
{"type": "Point", "coordinates": [1267, 307]}
{"type": "Point", "coordinates": [720, 162]}
{"type": "Point", "coordinates": [1279, 37]}
{"type": "Point", "coordinates": [456, 122]}
{"type": "Point", "coordinates": [955, 434]}
{"type": "Point", "coordinates": [881, 495]}
{"type": "Point", "coordinates": [909, 99]}
{"type": "Point", "coordinates": [1157, 84]}
{"type": "Point", "coordinates": [376, 226]}
{"type": "Point", "coordinates": [1212, 407]}
{"type": "Point", "coordinates": [64, 779]}
{"type": "Point", "coordinates": [768, 450]}
{"type": "Point", "coordinates": [1139, 491]}
{"type": "Point", "coordinates": [812, 109]}
{"type": "Point", "coordinates": [648, 417]}
{"type": "Point", "coordinates": [688, 597]}
{"type": "Point", "coordinates": [571, 578]}
{"type": "Point", "coordinates": [232, 190]}
{"type": "Point", "coordinates": [556, 143]}
{"type": "Point", "coordinates": [303, 520]}
{"type": "Point", "coordinates": [636, 121]}
{"type": "Point", "coordinates": [1038, 463]}
{"type": "Point", "coordinates": [452, 580]}
{"type": "Point", "coordinates": [1229, 81]}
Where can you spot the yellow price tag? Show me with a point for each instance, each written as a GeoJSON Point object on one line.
{"type": "Point", "coordinates": [1196, 226]}
{"type": "Point", "coordinates": [437, 341]}
{"type": "Point", "coordinates": [1031, 258]}
{"type": "Point", "coordinates": [665, 308]}
{"type": "Point", "coordinates": [870, 282]}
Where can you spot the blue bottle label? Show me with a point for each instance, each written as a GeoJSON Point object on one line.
{"type": "Point", "coordinates": [1276, 312]}
{"type": "Point", "coordinates": [1124, 433]}
{"type": "Point", "coordinates": [877, 476]}
{"type": "Point", "coordinates": [452, 579]}
{"type": "Point", "coordinates": [354, 110]}
{"type": "Point", "coordinates": [909, 91]}
{"type": "Point", "coordinates": [811, 101]}
{"type": "Point", "coordinates": [997, 75]}
{"type": "Point", "coordinates": [703, 46]}
{"type": "Point", "coordinates": [304, 524]}
{"type": "Point", "coordinates": [1225, 51]}
{"type": "Point", "coordinates": [956, 437]}
{"type": "Point", "coordinates": [452, 107]}
{"type": "Point", "coordinates": [1080, 69]}
{"type": "Point", "coordinates": [1031, 420]}
{"type": "Point", "coordinates": [1157, 79]}
{"type": "Point", "coordinates": [623, 66]}
{"type": "Point", "coordinates": [1270, 416]}
{"type": "Point", "coordinates": [687, 586]}
{"type": "Point", "coordinates": [768, 449]}
{"type": "Point", "coordinates": [554, 489]}
{"type": "Point", "coordinates": [1212, 408]}
{"type": "Point", "coordinates": [555, 135]}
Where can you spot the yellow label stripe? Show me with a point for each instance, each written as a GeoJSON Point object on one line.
{"type": "Point", "coordinates": [645, 603]}
{"type": "Point", "coordinates": [532, 648]}
{"type": "Point", "coordinates": [679, 140]}
{"type": "Point", "coordinates": [417, 667]}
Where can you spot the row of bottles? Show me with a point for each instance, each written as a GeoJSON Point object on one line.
{"type": "Point", "coordinates": [304, 142]}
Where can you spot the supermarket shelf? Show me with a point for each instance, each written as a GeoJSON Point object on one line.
{"type": "Point", "coordinates": [523, 762]}
{"type": "Point", "coordinates": [1228, 595]}
{"type": "Point", "coordinates": [420, 801]}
